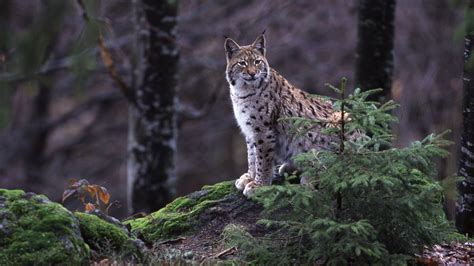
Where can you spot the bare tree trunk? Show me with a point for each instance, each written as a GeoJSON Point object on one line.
{"type": "Point", "coordinates": [374, 57]}
{"type": "Point", "coordinates": [36, 137]}
{"type": "Point", "coordinates": [465, 205]}
{"type": "Point", "coordinates": [153, 127]}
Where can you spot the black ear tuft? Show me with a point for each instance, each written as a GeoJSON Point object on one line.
{"type": "Point", "coordinates": [263, 32]}
{"type": "Point", "coordinates": [225, 36]}
{"type": "Point", "coordinates": [230, 47]}
{"type": "Point", "coordinates": [259, 44]}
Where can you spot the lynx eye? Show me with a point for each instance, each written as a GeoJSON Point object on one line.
{"type": "Point", "coordinates": [257, 62]}
{"type": "Point", "coordinates": [242, 63]}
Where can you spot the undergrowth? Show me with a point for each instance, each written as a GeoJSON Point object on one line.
{"type": "Point", "coordinates": [368, 202]}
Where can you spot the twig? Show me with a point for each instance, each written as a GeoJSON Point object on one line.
{"type": "Point", "coordinates": [59, 64]}
{"type": "Point", "coordinates": [108, 60]}
{"type": "Point", "coordinates": [110, 65]}
{"type": "Point", "coordinates": [115, 202]}
{"type": "Point", "coordinates": [83, 10]}
{"type": "Point", "coordinates": [228, 251]}
{"type": "Point", "coordinates": [342, 121]}
{"type": "Point", "coordinates": [135, 215]}
{"type": "Point", "coordinates": [86, 16]}
{"type": "Point", "coordinates": [97, 100]}
{"type": "Point", "coordinates": [171, 241]}
{"type": "Point", "coordinates": [342, 139]}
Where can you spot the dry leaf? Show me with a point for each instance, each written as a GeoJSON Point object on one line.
{"type": "Point", "coordinates": [89, 207]}
{"type": "Point", "coordinates": [104, 195]}
{"type": "Point", "coordinates": [92, 189]}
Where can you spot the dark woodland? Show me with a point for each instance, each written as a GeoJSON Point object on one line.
{"type": "Point", "coordinates": [465, 210]}
{"type": "Point", "coordinates": [132, 97]}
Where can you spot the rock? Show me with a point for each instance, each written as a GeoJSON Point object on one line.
{"type": "Point", "coordinates": [35, 231]}
{"type": "Point", "coordinates": [213, 204]}
{"type": "Point", "coordinates": [107, 236]}
{"type": "Point", "coordinates": [189, 229]}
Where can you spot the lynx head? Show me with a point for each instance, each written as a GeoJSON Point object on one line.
{"type": "Point", "coordinates": [246, 64]}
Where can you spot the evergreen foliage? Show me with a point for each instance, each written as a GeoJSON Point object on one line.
{"type": "Point", "coordinates": [368, 202]}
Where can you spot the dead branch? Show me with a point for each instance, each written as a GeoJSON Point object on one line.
{"type": "Point", "coordinates": [107, 59]}
{"type": "Point", "coordinates": [83, 137]}
{"type": "Point", "coordinates": [172, 241]}
{"type": "Point", "coordinates": [228, 251]}
{"type": "Point", "coordinates": [99, 100]}
{"type": "Point", "coordinates": [110, 65]}
{"type": "Point", "coordinates": [58, 64]}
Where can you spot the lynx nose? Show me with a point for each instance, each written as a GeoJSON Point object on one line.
{"type": "Point", "coordinates": [251, 71]}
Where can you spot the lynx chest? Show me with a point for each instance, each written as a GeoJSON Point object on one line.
{"type": "Point", "coordinates": [252, 113]}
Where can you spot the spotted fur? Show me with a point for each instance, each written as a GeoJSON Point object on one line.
{"type": "Point", "coordinates": [260, 98]}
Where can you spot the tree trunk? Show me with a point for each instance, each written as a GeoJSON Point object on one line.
{"type": "Point", "coordinates": [465, 205]}
{"type": "Point", "coordinates": [36, 137]}
{"type": "Point", "coordinates": [153, 128]}
{"type": "Point", "coordinates": [374, 57]}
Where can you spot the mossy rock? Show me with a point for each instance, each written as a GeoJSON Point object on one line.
{"type": "Point", "coordinates": [190, 212]}
{"type": "Point", "coordinates": [109, 238]}
{"type": "Point", "coordinates": [36, 231]}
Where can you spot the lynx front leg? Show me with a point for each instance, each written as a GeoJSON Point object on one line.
{"type": "Point", "coordinates": [264, 159]}
{"type": "Point", "coordinates": [250, 175]}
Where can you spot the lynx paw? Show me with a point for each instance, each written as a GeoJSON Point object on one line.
{"type": "Point", "coordinates": [243, 181]}
{"type": "Point", "coordinates": [250, 188]}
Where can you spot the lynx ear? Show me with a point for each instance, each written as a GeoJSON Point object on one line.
{"type": "Point", "coordinates": [230, 47]}
{"type": "Point", "coordinates": [259, 44]}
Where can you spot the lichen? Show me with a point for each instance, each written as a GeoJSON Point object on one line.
{"type": "Point", "coordinates": [36, 231]}
{"type": "Point", "coordinates": [106, 238]}
{"type": "Point", "coordinates": [178, 217]}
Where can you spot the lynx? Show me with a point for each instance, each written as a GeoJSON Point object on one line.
{"type": "Point", "coordinates": [260, 98]}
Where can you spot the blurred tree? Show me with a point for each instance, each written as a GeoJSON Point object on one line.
{"type": "Point", "coordinates": [153, 125]}
{"type": "Point", "coordinates": [26, 54]}
{"type": "Point", "coordinates": [4, 47]}
{"type": "Point", "coordinates": [374, 56]}
{"type": "Point", "coordinates": [465, 205]}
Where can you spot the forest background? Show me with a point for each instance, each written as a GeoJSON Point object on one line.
{"type": "Point", "coordinates": [51, 73]}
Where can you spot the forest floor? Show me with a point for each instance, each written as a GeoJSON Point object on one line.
{"type": "Point", "coordinates": [204, 242]}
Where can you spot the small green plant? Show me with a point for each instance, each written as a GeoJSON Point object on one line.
{"type": "Point", "coordinates": [369, 202]}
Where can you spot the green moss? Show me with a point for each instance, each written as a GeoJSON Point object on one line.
{"type": "Point", "coordinates": [180, 203]}
{"type": "Point", "coordinates": [97, 231]}
{"type": "Point", "coordinates": [105, 237]}
{"type": "Point", "coordinates": [11, 194]}
{"type": "Point", "coordinates": [219, 190]}
{"type": "Point", "coordinates": [37, 231]}
{"type": "Point", "coordinates": [178, 216]}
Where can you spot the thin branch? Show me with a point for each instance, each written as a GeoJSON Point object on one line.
{"type": "Point", "coordinates": [100, 100]}
{"type": "Point", "coordinates": [107, 59]}
{"type": "Point", "coordinates": [59, 64]}
{"type": "Point", "coordinates": [343, 117]}
{"type": "Point", "coordinates": [82, 6]}
{"type": "Point", "coordinates": [86, 135]}
{"type": "Point", "coordinates": [110, 65]}
{"type": "Point", "coordinates": [228, 251]}
{"type": "Point", "coordinates": [171, 241]}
